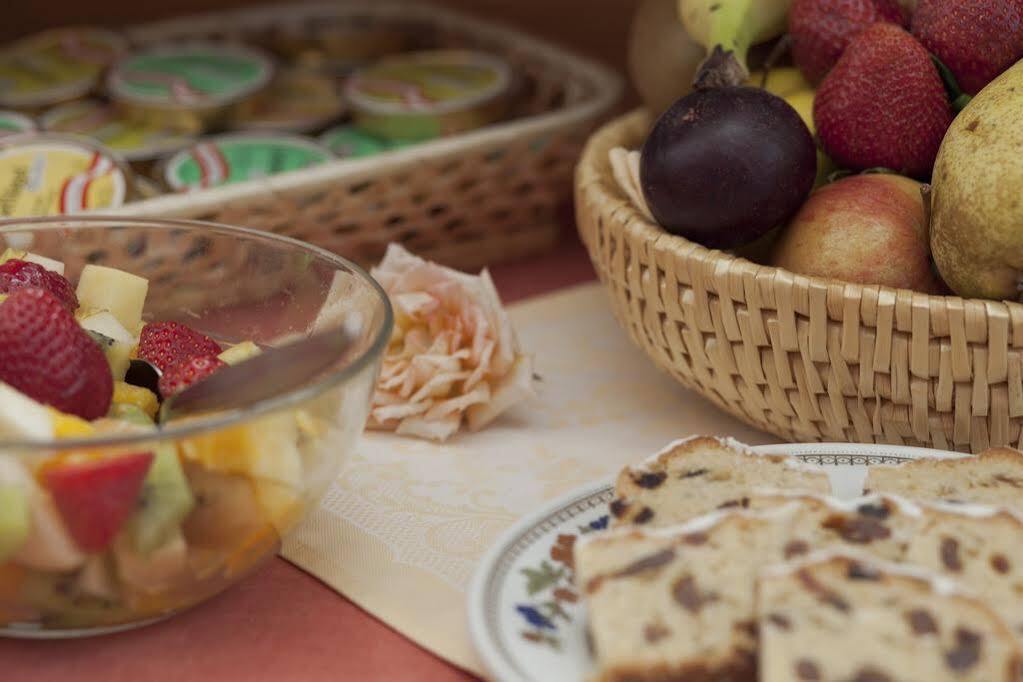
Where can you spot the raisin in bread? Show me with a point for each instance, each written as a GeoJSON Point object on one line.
{"type": "Point", "coordinates": [883, 525]}
{"type": "Point", "coordinates": [994, 477]}
{"type": "Point", "coordinates": [667, 604]}
{"type": "Point", "coordinates": [847, 618]}
{"type": "Point", "coordinates": [697, 475]}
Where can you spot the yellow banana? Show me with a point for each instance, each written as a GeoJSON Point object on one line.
{"type": "Point", "coordinates": [727, 29]}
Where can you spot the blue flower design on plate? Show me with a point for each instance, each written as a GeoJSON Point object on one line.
{"type": "Point", "coordinates": [535, 618]}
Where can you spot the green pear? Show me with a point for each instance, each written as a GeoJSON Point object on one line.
{"type": "Point", "coordinates": [976, 205]}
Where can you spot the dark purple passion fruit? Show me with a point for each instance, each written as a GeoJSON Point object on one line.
{"type": "Point", "coordinates": [723, 166]}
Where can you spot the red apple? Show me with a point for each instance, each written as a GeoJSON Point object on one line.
{"type": "Point", "coordinates": [96, 497]}
{"type": "Point", "coordinates": [865, 229]}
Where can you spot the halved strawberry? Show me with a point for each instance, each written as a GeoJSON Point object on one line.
{"type": "Point", "coordinates": [19, 274]}
{"type": "Point", "coordinates": [46, 355]}
{"type": "Point", "coordinates": [96, 497]}
{"type": "Point", "coordinates": [184, 374]}
{"type": "Point", "coordinates": [166, 344]}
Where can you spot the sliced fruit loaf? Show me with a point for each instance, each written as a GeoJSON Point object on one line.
{"type": "Point", "coordinates": [981, 547]}
{"type": "Point", "coordinates": [883, 525]}
{"type": "Point", "coordinates": [677, 604]}
{"type": "Point", "coordinates": [994, 477]}
{"type": "Point", "coordinates": [697, 475]}
{"type": "Point", "coordinates": [840, 617]}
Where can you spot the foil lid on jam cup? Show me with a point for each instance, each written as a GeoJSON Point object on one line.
{"type": "Point", "coordinates": [238, 157]}
{"type": "Point", "coordinates": [201, 79]}
{"type": "Point", "coordinates": [13, 123]}
{"type": "Point", "coordinates": [424, 95]}
{"type": "Point", "coordinates": [134, 136]}
{"type": "Point", "coordinates": [335, 46]}
{"type": "Point", "coordinates": [55, 66]}
{"type": "Point", "coordinates": [349, 142]}
{"type": "Point", "coordinates": [295, 101]}
{"type": "Point", "coordinates": [42, 175]}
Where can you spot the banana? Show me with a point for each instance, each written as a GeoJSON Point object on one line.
{"type": "Point", "coordinates": [727, 29]}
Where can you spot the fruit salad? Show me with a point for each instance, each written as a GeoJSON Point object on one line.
{"type": "Point", "coordinates": [94, 535]}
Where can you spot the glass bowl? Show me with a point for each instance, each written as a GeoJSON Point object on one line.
{"type": "Point", "coordinates": [219, 491]}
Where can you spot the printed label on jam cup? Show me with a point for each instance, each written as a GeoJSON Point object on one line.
{"type": "Point", "coordinates": [58, 178]}
{"type": "Point", "coordinates": [348, 142]}
{"type": "Point", "coordinates": [55, 66]}
{"type": "Point", "coordinates": [430, 82]}
{"type": "Point", "coordinates": [195, 75]}
{"type": "Point", "coordinates": [230, 159]}
{"type": "Point", "coordinates": [134, 136]}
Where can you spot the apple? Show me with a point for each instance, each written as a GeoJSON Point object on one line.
{"type": "Point", "coordinates": [864, 229]}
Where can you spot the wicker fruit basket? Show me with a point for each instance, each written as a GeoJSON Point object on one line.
{"type": "Point", "coordinates": [806, 359]}
{"type": "Point", "coordinates": [470, 200]}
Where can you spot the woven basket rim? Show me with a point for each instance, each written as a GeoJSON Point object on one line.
{"type": "Point", "coordinates": [603, 89]}
{"type": "Point", "coordinates": [603, 187]}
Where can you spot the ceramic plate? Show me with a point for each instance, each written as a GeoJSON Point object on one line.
{"type": "Point", "coordinates": [524, 616]}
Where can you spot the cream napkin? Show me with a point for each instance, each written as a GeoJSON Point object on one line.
{"type": "Point", "coordinates": [402, 529]}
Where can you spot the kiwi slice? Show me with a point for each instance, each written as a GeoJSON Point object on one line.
{"type": "Point", "coordinates": [165, 500]}
{"type": "Point", "coordinates": [14, 519]}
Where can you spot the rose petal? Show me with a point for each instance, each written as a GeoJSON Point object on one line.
{"type": "Point", "coordinates": [388, 413]}
{"type": "Point", "coordinates": [515, 387]}
{"type": "Point", "coordinates": [459, 404]}
{"type": "Point", "coordinates": [438, 430]}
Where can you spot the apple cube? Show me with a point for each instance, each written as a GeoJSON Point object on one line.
{"type": "Point", "coordinates": [120, 293]}
{"type": "Point", "coordinates": [48, 546]}
{"type": "Point", "coordinates": [240, 352]}
{"type": "Point", "coordinates": [23, 418]}
{"type": "Point", "coordinates": [116, 341]}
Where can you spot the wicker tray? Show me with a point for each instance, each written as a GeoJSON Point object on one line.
{"type": "Point", "coordinates": [467, 201]}
{"type": "Point", "coordinates": [806, 359]}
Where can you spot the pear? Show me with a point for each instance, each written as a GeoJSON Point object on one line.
{"type": "Point", "coordinates": [976, 208]}
{"type": "Point", "coordinates": [663, 59]}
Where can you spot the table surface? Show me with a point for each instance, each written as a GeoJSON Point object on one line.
{"type": "Point", "coordinates": [281, 623]}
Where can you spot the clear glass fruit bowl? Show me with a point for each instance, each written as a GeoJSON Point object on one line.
{"type": "Point", "coordinates": [108, 524]}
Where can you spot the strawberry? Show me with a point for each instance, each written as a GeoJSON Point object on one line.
{"type": "Point", "coordinates": [165, 344]}
{"type": "Point", "coordinates": [187, 372]}
{"type": "Point", "coordinates": [883, 105]}
{"type": "Point", "coordinates": [96, 497]}
{"type": "Point", "coordinates": [821, 29]}
{"type": "Point", "coordinates": [976, 39]}
{"type": "Point", "coordinates": [18, 274]}
{"type": "Point", "coordinates": [46, 355]}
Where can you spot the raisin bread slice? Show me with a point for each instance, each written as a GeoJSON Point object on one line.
{"type": "Point", "coordinates": [697, 475]}
{"type": "Point", "coordinates": [847, 617]}
{"type": "Point", "coordinates": [677, 603]}
{"type": "Point", "coordinates": [980, 547]}
{"type": "Point", "coordinates": [994, 477]}
{"type": "Point", "coordinates": [883, 525]}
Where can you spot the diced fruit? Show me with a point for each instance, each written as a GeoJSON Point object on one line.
{"type": "Point", "coordinates": [14, 519]}
{"type": "Point", "coordinates": [95, 578]}
{"type": "Point", "coordinates": [20, 274]}
{"type": "Point", "coordinates": [49, 547]}
{"type": "Point", "coordinates": [48, 263]}
{"type": "Point", "coordinates": [62, 604]}
{"type": "Point", "coordinates": [264, 448]}
{"type": "Point", "coordinates": [23, 418]}
{"type": "Point", "coordinates": [96, 497]}
{"type": "Point", "coordinates": [155, 571]}
{"type": "Point", "coordinates": [70, 426]}
{"type": "Point", "coordinates": [51, 359]}
{"type": "Point", "coordinates": [116, 341]}
{"type": "Point", "coordinates": [166, 344]}
{"type": "Point", "coordinates": [122, 294]}
{"type": "Point", "coordinates": [187, 372]}
{"type": "Point", "coordinates": [226, 510]}
{"type": "Point", "coordinates": [883, 64]}
{"type": "Point", "coordinates": [163, 504]}
{"type": "Point", "coordinates": [240, 352]}
{"type": "Point", "coordinates": [132, 414]}
{"type": "Point", "coordinates": [282, 504]}
{"type": "Point", "coordinates": [782, 81]}
{"type": "Point", "coordinates": [142, 398]}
